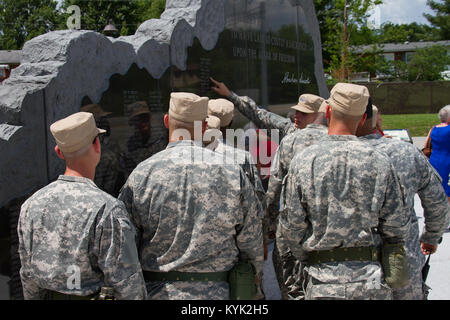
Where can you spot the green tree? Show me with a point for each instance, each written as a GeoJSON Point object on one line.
{"type": "Point", "coordinates": [428, 63]}
{"type": "Point", "coordinates": [396, 33]}
{"type": "Point", "coordinates": [371, 61]}
{"type": "Point", "coordinates": [150, 9]}
{"type": "Point", "coordinates": [126, 15]}
{"type": "Point", "coordinates": [340, 21]}
{"type": "Point", "coordinates": [442, 18]}
{"type": "Point", "coordinates": [95, 15]}
{"type": "Point", "coordinates": [22, 20]}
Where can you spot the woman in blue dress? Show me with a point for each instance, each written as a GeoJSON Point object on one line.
{"type": "Point", "coordinates": [440, 143]}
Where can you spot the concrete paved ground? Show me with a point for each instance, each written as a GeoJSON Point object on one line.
{"type": "Point", "coordinates": [4, 289]}
{"type": "Point", "coordinates": [271, 288]}
{"type": "Point", "coordinates": [439, 274]}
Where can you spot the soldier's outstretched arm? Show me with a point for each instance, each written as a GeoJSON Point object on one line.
{"type": "Point", "coordinates": [436, 209]}
{"type": "Point", "coordinates": [118, 256]}
{"type": "Point", "coordinates": [292, 222]}
{"type": "Point", "coordinates": [249, 236]}
{"type": "Point", "coordinates": [251, 171]}
{"type": "Point", "coordinates": [274, 188]}
{"type": "Point", "coordinates": [262, 118]}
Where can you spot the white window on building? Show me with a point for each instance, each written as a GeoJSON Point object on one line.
{"type": "Point", "coordinates": [389, 56]}
{"type": "Point", "coordinates": [409, 56]}
{"type": "Point", "coordinates": [3, 69]}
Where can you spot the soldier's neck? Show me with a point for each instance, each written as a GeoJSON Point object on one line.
{"type": "Point", "coordinates": [82, 172]}
{"type": "Point", "coordinates": [186, 134]}
{"type": "Point", "coordinates": [341, 129]}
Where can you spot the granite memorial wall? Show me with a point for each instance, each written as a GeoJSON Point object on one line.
{"type": "Point", "coordinates": [267, 50]}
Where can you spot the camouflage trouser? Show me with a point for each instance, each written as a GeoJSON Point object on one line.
{"type": "Point", "coordinates": [345, 291]}
{"type": "Point", "coordinates": [289, 274]}
{"type": "Point", "coordinates": [413, 291]}
{"type": "Point", "coordinates": [259, 288]}
{"type": "Point", "coordinates": [183, 290]}
{"type": "Point", "coordinates": [416, 288]}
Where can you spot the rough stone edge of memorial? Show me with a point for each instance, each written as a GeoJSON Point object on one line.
{"type": "Point", "coordinates": [52, 60]}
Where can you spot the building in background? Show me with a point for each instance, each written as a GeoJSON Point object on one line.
{"type": "Point", "coordinates": [396, 52]}
{"type": "Point", "coordinates": [9, 59]}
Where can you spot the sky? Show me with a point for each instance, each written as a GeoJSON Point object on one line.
{"type": "Point", "coordinates": [402, 11]}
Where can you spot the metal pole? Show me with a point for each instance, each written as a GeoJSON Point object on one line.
{"type": "Point", "coordinates": [344, 74]}
{"type": "Point", "coordinates": [264, 79]}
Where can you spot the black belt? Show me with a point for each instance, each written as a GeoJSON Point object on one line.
{"type": "Point", "coordinates": [54, 295]}
{"type": "Point", "coordinates": [186, 276]}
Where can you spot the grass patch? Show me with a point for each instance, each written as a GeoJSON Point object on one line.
{"type": "Point", "coordinates": [417, 124]}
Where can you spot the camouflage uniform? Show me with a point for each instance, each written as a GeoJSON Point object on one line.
{"type": "Point", "coordinates": [72, 224]}
{"type": "Point", "coordinates": [289, 146]}
{"type": "Point", "coordinates": [192, 214]}
{"type": "Point", "coordinates": [247, 163]}
{"type": "Point", "coordinates": [108, 173]}
{"type": "Point", "coordinates": [337, 193]}
{"type": "Point", "coordinates": [140, 150]}
{"type": "Point", "coordinates": [416, 176]}
{"type": "Point", "coordinates": [262, 118]}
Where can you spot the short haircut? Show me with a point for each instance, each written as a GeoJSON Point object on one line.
{"type": "Point", "coordinates": [176, 124]}
{"type": "Point", "coordinates": [444, 113]}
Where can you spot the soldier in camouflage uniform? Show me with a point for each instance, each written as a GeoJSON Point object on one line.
{"type": "Point", "coordinates": [340, 196]}
{"type": "Point", "coordinates": [224, 110]}
{"type": "Point", "coordinates": [262, 118]}
{"type": "Point", "coordinates": [285, 265]}
{"type": "Point", "coordinates": [108, 175]}
{"type": "Point", "coordinates": [75, 238]}
{"type": "Point", "coordinates": [141, 145]}
{"type": "Point", "coordinates": [195, 216]}
{"type": "Point", "coordinates": [416, 175]}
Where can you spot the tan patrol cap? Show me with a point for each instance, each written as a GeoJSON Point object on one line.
{"type": "Point", "coordinates": [95, 109]}
{"type": "Point", "coordinates": [75, 132]}
{"type": "Point", "coordinates": [349, 99]}
{"type": "Point", "coordinates": [375, 116]}
{"type": "Point", "coordinates": [222, 109]}
{"type": "Point", "coordinates": [137, 108]}
{"type": "Point", "coordinates": [213, 129]}
{"type": "Point", "coordinates": [188, 107]}
{"type": "Point", "coordinates": [213, 122]}
{"type": "Point", "coordinates": [308, 103]}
